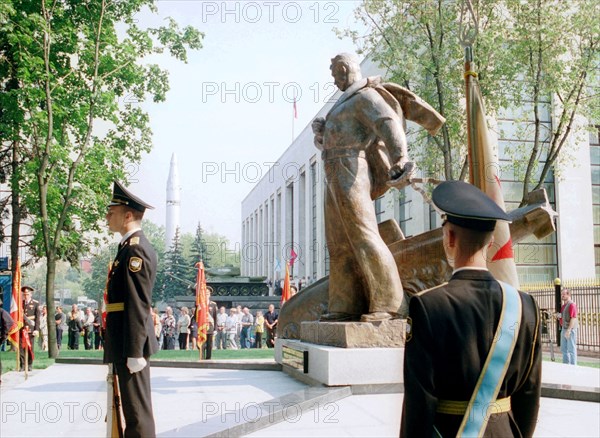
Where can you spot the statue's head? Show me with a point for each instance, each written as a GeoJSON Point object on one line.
{"type": "Point", "coordinates": [345, 70]}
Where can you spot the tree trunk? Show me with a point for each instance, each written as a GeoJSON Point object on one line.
{"type": "Point", "coordinates": [50, 277]}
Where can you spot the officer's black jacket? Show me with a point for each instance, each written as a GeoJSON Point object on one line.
{"type": "Point", "coordinates": [452, 330]}
{"type": "Point", "coordinates": [130, 333]}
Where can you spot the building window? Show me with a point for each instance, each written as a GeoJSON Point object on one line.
{"type": "Point", "coordinates": [379, 208]}
{"type": "Point", "coordinates": [404, 212]}
{"type": "Point", "coordinates": [537, 260]}
{"type": "Point", "coordinates": [595, 169]}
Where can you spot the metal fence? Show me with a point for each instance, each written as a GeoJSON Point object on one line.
{"type": "Point", "coordinates": [586, 294]}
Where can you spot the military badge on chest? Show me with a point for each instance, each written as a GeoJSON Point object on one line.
{"type": "Point", "coordinates": [135, 264]}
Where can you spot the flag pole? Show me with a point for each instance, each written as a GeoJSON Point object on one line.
{"type": "Point", "coordinates": [293, 118]}
{"type": "Point", "coordinates": [18, 303]}
{"type": "Point", "coordinates": [468, 31]}
{"type": "Point", "coordinates": [483, 165]}
{"type": "Point", "coordinates": [201, 307]}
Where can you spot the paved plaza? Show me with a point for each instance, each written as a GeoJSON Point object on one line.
{"type": "Point", "coordinates": [68, 400]}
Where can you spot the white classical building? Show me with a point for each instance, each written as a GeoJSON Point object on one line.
{"type": "Point", "coordinates": [282, 216]}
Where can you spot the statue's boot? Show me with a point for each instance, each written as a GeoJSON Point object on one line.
{"type": "Point", "coordinates": [338, 317]}
{"type": "Point", "coordinates": [376, 316]}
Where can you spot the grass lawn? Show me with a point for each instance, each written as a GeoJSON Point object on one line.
{"type": "Point", "coordinates": [42, 361]}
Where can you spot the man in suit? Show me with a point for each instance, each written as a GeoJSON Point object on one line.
{"type": "Point", "coordinates": [453, 327]}
{"type": "Point", "coordinates": [31, 324]}
{"type": "Point", "coordinates": [130, 339]}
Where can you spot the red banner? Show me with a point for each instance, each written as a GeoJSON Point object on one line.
{"type": "Point", "coordinates": [286, 293]}
{"type": "Point", "coordinates": [201, 303]}
{"type": "Point", "coordinates": [484, 169]}
{"type": "Point", "coordinates": [16, 307]}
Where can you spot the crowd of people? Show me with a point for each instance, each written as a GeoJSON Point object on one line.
{"type": "Point", "coordinates": [236, 328]}
{"type": "Point", "coordinates": [79, 323]}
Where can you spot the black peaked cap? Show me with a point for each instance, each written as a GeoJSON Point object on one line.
{"type": "Point", "coordinates": [465, 205]}
{"type": "Point", "coordinates": [121, 196]}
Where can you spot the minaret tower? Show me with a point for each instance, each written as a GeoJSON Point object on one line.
{"type": "Point", "coordinates": [173, 202]}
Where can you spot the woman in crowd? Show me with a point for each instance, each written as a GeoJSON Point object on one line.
{"type": "Point", "coordinates": [259, 328]}
{"type": "Point", "coordinates": [169, 327]}
{"type": "Point", "coordinates": [75, 327]}
{"type": "Point", "coordinates": [183, 328]}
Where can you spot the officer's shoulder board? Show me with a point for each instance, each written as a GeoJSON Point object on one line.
{"type": "Point", "coordinates": [134, 240]}
{"type": "Point", "coordinates": [409, 325]}
{"type": "Point", "coordinates": [423, 292]}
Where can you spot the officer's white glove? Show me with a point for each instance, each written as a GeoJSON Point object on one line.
{"type": "Point", "coordinates": [136, 364]}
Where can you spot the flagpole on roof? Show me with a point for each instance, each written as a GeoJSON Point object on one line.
{"type": "Point", "coordinates": [294, 116]}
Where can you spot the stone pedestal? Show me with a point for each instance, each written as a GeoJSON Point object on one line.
{"type": "Point", "coordinates": [378, 368]}
{"type": "Point", "coordinates": [359, 354]}
{"type": "Point", "coordinates": [384, 334]}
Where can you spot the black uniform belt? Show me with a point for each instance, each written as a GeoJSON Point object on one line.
{"type": "Point", "coordinates": [115, 307]}
{"type": "Point", "coordinates": [330, 154]}
{"type": "Point", "coordinates": [453, 407]}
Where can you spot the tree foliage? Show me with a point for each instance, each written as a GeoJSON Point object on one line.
{"type": "Point", "coordinates": [524, 51]}
{"type": "Point", "coordinates": [556, 48]}
{"type": "Point", "coordinates": [418, 44]}
{"type": "Point", "coordinates": [177, 271]}
{"type": "Point", "coordinates": [95, 283]}
{"type": "Point", "coordinates": [199, 250]}
{"type": "Point", "coordinates": [72, 71]}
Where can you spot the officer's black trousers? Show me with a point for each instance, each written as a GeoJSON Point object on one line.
{"type": "Point", "coordinates": [136, 400]}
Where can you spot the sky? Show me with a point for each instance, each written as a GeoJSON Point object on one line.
{"type": "Point", "coordinates": [230, 108]}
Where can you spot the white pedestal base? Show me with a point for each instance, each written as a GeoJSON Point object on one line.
{"type": "Point", "coordinates": [334, 366]}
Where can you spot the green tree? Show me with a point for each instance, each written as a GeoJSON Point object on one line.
{"type": "Point", "coordinates": [219, 251]}
{"type": "Point", "coordinates": [199, 249]}
{"type": "Point", "coordinates": [75, 69]}
{"type": "Point", "coordinates": [527, 54]}
{"type": "Point", "coordinates": [555, 46]}
{"type": "Point", "coordinates": [156, 236]}
{"type": "Point", "coordinates": [95, 283]}
{"type": "Point", "coordinates": [417, 42]}
{"type": "Point", "coordinates": [69, 282]}
{"type": "Point", "coordinates": [177, 270]}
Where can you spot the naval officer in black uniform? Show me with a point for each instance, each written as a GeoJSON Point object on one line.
{"type": "Point", "coordinates": [452, 328]}
{"type": "Point", "coordinates": [130, 339]}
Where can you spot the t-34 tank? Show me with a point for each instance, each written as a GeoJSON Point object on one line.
{"type": "Point", "coordinates": [226, 281]}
